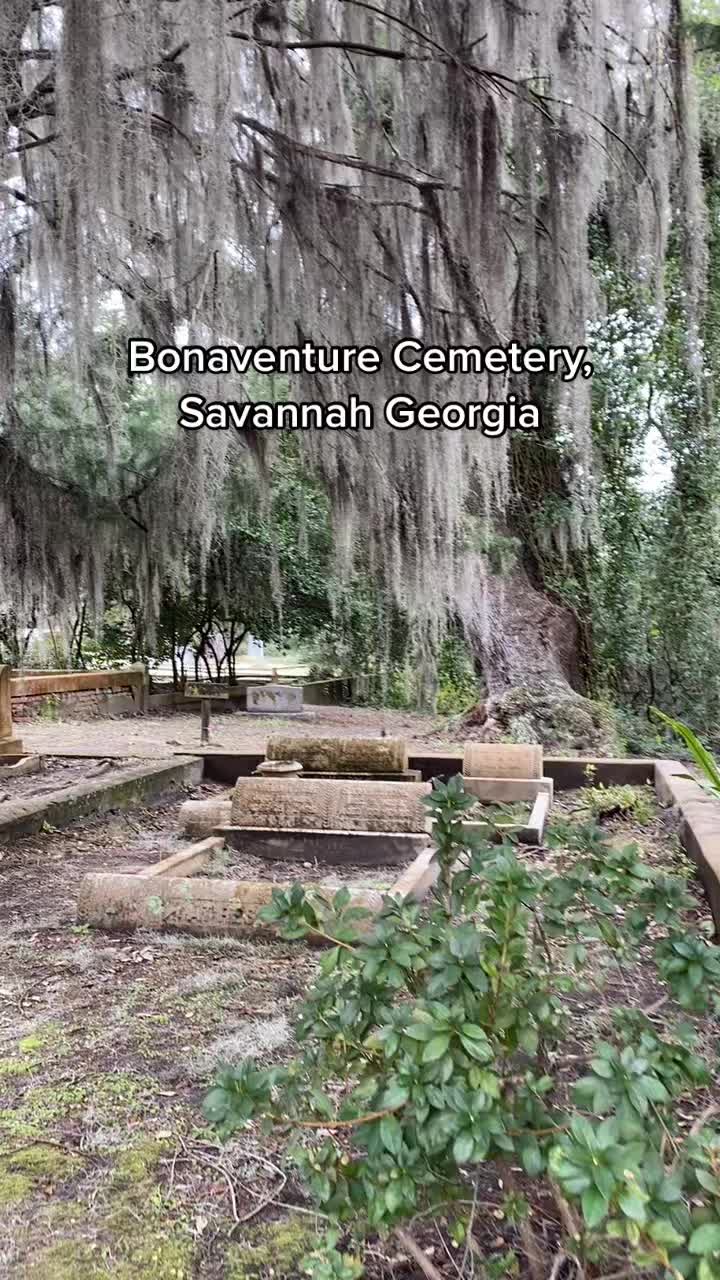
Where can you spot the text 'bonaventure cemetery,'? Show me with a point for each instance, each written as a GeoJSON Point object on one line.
{"type": "Point", "coordinates": [401, 411]}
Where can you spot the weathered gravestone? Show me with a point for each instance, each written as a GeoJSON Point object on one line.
{"type": "Point", "coordinates": [369, 823]}
{"type": "Point", "coordinates": [275, 699]}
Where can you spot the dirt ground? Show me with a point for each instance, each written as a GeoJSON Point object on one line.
{"type": "Point", "coordinates": [163, 733]}
{"type": "Point", "coordinates": [107, 1046]}
{"type": "Point", "coordinates": [56, 773]}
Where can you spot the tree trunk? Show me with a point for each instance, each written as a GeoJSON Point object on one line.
{"type": "Point", "coordinates": [528, 647]}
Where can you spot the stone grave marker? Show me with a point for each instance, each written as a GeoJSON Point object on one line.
{"type": "Point", "coordinates": [275, 699]}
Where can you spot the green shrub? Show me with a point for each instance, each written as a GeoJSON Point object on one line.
{"type": "Point", "coordinates": [430, 1045]}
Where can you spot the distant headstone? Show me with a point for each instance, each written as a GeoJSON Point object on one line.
{"type": "Point", "coordinates": [275, 699]}
{"type": "Point", "coordinates": [256, 648]}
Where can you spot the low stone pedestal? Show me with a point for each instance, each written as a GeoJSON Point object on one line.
{"type": "Point", "coordinates": [278, 769]}
{"type": "Point", "coordinates": [354, 848]}
{"type": "Point", "coordinates": [502, 760]}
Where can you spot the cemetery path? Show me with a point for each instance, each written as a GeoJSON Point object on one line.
{"type": "Point", "coordinates": [163, 733]}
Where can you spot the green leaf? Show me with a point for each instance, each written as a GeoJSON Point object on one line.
{"type": "Point", "coordinates": [664, 1233]}
{"type": "Point", "coordinates": [708, 1180]}
{"type": "Point", "coordinates": [330, 960]}
{"type": "Point", "coordinates": [463, 1147]}
{"type": "Point", "coordinates": [322, 1104]}
{"type": "Point", "coordinates": [654, 1089]}
{"type": "Point", "coordinates": [594, 1206]}
{"type": "Point", "coordinates": [391, 1134]}
{"type": "Point", "coordinates": [529, 1040]}
{"type": "Point", "coordinates": [531, 1157]}
{"type": "Point", "coordinates": [436, 1048]}
{"type": "Point", "coordinates": [482, 1052]}
{"type": "Point", "coordinates": [604, 1180]}
{"type": "Point", "coordinates": [699, 753]}
{"type": "Point", "coordinates": [633, 1203]}
{"type": "Point", "coordinates": [705, 1239]}
{"type": "Point", "coordinates": [393, 1197]}
{"type": "Point", "coordinates": [394, 1096]}
{"type": "Point", "coordinates": [420, 1030]}
{"type": "Point", "coordinates": [472, 1032]}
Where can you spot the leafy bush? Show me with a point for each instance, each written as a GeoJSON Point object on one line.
{"type": "Point", "coordinates": [431, 1046]}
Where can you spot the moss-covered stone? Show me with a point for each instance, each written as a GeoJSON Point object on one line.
{"type": "Point", "coordinates": [275, 1250]}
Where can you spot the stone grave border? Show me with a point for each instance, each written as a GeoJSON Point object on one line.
{"type": "Point", "coordinates": [127, 787]}
{"type": "Point", "coordinates": [129, 901]}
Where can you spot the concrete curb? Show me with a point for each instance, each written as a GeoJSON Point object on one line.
{"type": "Point", "coordinates": [127, 788]}
{"type": "Point", "coordinates": [699, 815]}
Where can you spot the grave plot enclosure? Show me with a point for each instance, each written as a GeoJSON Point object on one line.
{"type": "Point", "coordinates": [336, 821]}
{"type": "Point", "coordinates": [377, 824]}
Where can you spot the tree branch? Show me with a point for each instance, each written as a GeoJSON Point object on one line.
{"type": "Point", "coordinates": [332, 157]}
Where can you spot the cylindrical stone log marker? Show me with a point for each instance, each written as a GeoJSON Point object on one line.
{"type": "Point", "coordinates": [200, 818]}
{"type": "Point", "coordinates": [342, 755]}
{"type": "Point", "coordinates": [500, 760]}
{"type": "Point", "coordinates": [196, 906]}
{"type": "Point", "coordinates": [330, 805]}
